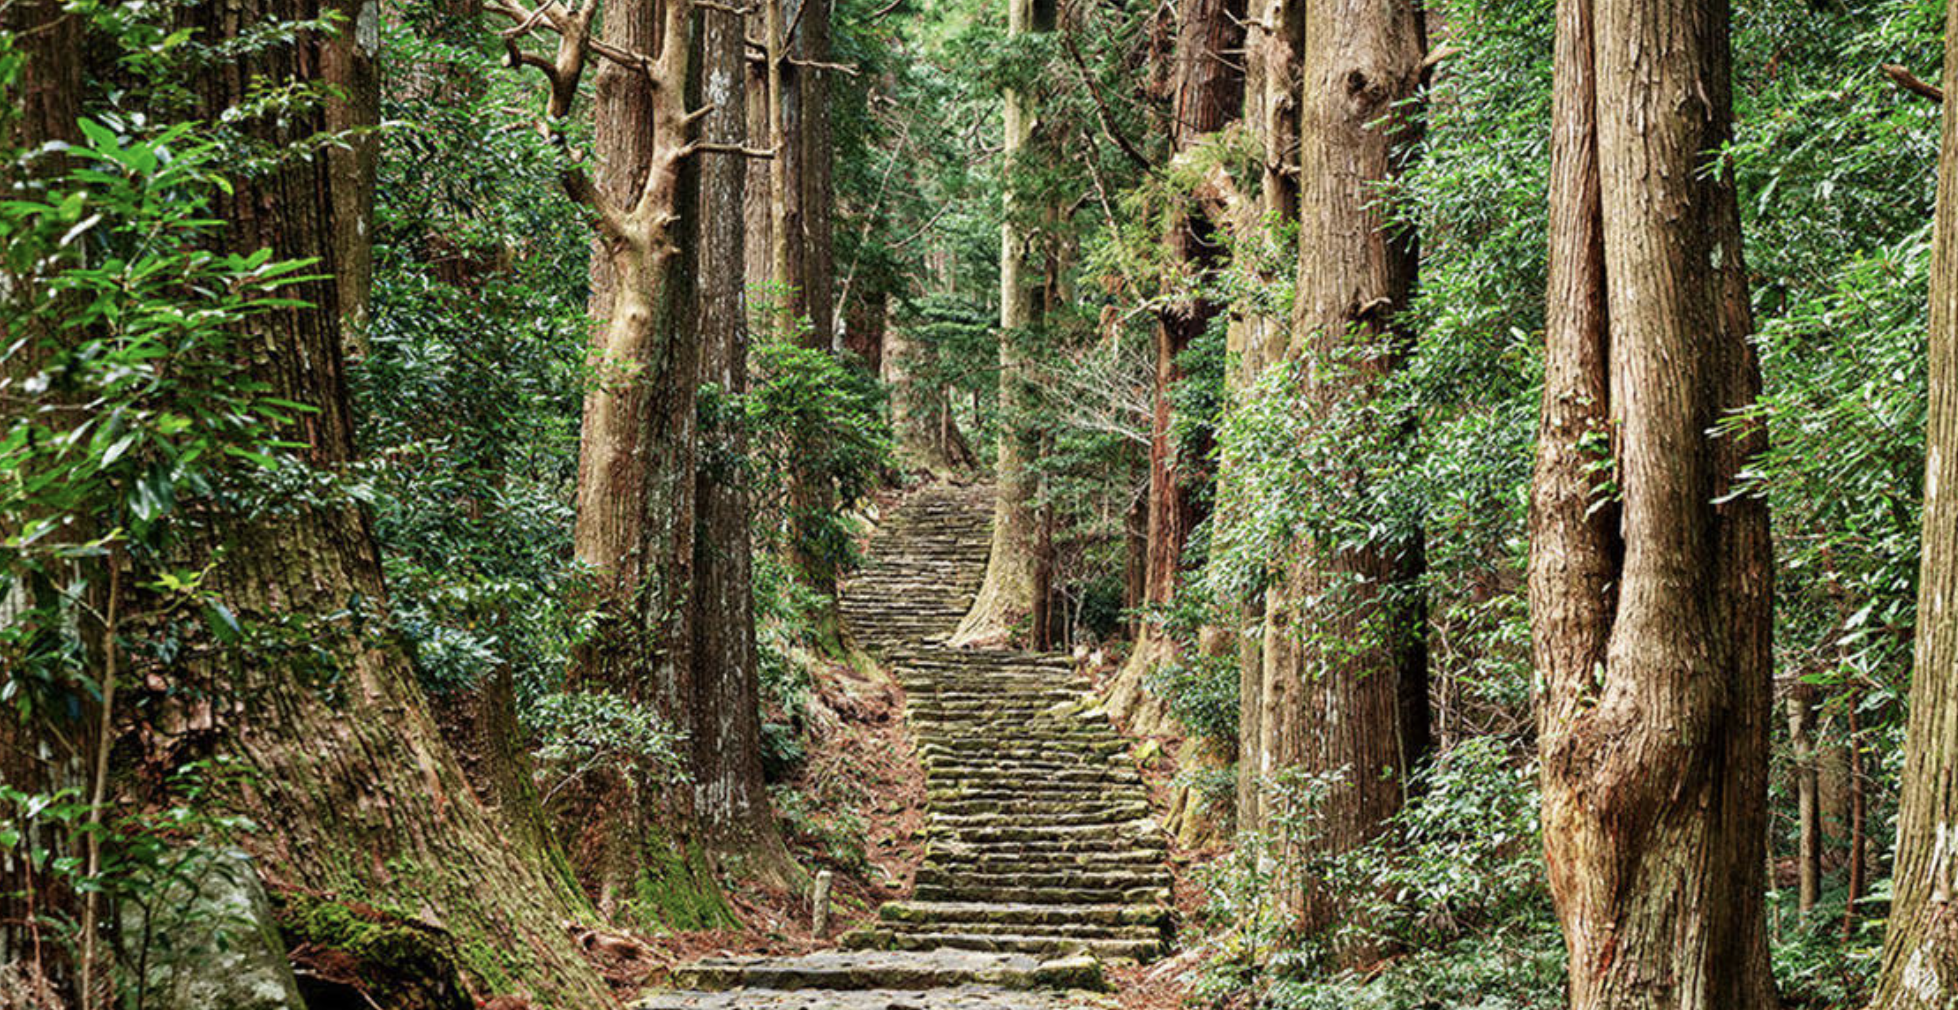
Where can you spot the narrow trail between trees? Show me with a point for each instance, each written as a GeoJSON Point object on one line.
{"type": "Point", "coordinates": [1042, 860]}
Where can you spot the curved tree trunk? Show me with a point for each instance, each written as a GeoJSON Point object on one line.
{"type": "Point", "coordinates": [1920, 951]}
{"type": "Point", "coordinates": [1651, 615]}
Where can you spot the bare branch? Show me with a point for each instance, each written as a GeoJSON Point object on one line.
{"type": "Point", "coordinates": [708, 147]}
{"type": "Point", "coordinates": [1912, 83]}
{"type": "Point", "coordinates": [848, 68]}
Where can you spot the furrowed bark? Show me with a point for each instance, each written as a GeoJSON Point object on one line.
{"type": "Point", "coordinates": [360, 797]}
{"type": "Point", "coordinates": [1207, 90]}
{"type": "Point", "coordinates": [1920, 950]}
{"type": "Point", "coordinates": [1656, 698]}
{"type": "Point", "coordinates": [351, 64]}
{"type": "Point", "coordinates": [1344, 628]}
{"type": "Point", "coordinates": [1271, 84]}
{"type": "Point", "coordinates": [636, 844]}
{"type": "Point", "coordinates": [730, 800]}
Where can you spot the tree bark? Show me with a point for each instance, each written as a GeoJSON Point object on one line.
{"type": "Point", "coordinates": [1801, 704]}
{"type": "Point", "coordinates": [1344, 630]}
{"type": "Point", "coordinates": [36, 757]}
{"type": "Point", "coordinates": [1920, 949]}
{"type": "Point", "coordinates": [730, 800]}
{"type": "Point", "coordinates": [1271, 101]}
{"type": "Point", "coordinates": [1006, 595]}
{"type": "Point", "coordinates": [1652, 613]}
{"type": "Point", "coordinates": [361, 797]}
{"type": "Point", "coordinates": [1207, 94]}
{"type": "Point", "coordinates": [636, 843]}
{"type": "Point", "coordinates": [351, 63]}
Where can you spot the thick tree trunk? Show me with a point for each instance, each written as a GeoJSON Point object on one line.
{"type": "Point", "coordinates": [1207, 94]}
{"type": "Point", "coordinates": [730, 800]}
{"type": "Point", "coordinates": [359, 796]}
{"type": "Point", "coordinates": [1651, 617]}
{"type": "Point", "coordinates": [1345, 629]}
{"type": "Point", "coordinates": [1271, 94]}
{"type": "Point", "coordinates": [636, 845]}
{"type": "Point", "coordinates": [1006, 596]}
{"type": "Point", "coordinates": [46, 754]}
{"type": "Point", "coordinates": [1920, 950]}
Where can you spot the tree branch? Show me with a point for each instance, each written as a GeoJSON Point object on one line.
{"type": "Point", "coordinates": [1103, 113]}
{"type": "Point", "coordinates": [1912, 83]}
{"type": "Point", "coordinates": [848, 68]}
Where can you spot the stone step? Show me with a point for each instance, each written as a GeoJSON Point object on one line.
{"type": "Point", "coordinates": [1115, 880]}
{"type": "Point", "coordinates": [1089, 931]}
{"type": "Point", "coordinates": [882, 970]}
{"type": "Point", "coordinates": [1122, 813]}
{"type": "Point", "coordinates": [1045, 895]}
{"type": "Point", "coordinates": [1046, 945]}
{"type": "Point", "coordinates": [1030, 915]}
{"type": "Point", "coordinates": [994, 865]}
{"type": "Point", "coordinates": [1035, 807]}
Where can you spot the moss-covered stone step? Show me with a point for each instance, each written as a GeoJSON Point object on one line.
{"type": "Point", "coordinates": [1101, 813]}
{"type": "Point", "coordinates": [1124, 814]}
{"type": "Point", "coordinates": [1060, 864]}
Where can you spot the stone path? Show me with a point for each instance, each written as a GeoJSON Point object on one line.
{"type": "Point", "coordinates": [1041, 859]}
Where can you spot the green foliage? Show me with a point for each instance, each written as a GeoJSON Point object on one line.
{"type": "Point", "coordinates": [467, 399]}
{"type": "Point", "coordinates": [815, 416]}
{"type": "Point", "coordinates": [580, 732]}
{"type": "Point", "coordinates": [1456, 883]}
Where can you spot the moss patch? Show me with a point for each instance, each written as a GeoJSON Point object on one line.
{"type": "Point", "coordinates": [350, 954]}
{"type": "Point", "coordinates": [677, 891]}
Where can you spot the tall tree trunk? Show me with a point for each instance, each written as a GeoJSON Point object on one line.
{"type": "Point", "coordinates": [361, 797]}
{"type": "Point", "coordinates": [636, 843]}
{"type": "Point", "coordinates": [46, 753]}
{"type": "Point", "coordinates": [1920, 950]}
{"type": "Point", "coordinates": [1802, 708]}
{"type": "Point", "coordinates": [802, 262]}
{"type": "Point", "coordinates": [1006, 596]}
{"type": "Point", "coordinates": [1651, 614]}
{"type": "Point", "coordinates": [1271, 90]}
{"type": "Point", "coordinates": [351, 64]}
{"type": "Point", "coordinates": [1207, 94]}
{"type": "Point", "coordinates": [1344, 630]}
{"type": "Point", "coordinates": [730, 799]}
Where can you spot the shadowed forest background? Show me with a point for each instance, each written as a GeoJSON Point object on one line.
{"type": "Point", "coordinates": [1477, 450]}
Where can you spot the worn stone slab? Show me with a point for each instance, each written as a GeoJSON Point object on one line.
{"type": "Point", "coordinates": [879, 969]}
{"type": "Point", "coordinates": [960, 998]}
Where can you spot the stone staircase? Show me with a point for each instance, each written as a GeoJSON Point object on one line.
{"type": "Point", "coordinates": [1040, 839]}
{"type": "Point", "coordinates": [1041, 858]}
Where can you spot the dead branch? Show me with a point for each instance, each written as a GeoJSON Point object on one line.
{"type": "Point", "coordinates": [1912, 83]}
{"type": "Point", "coordinates": [847, 68]}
